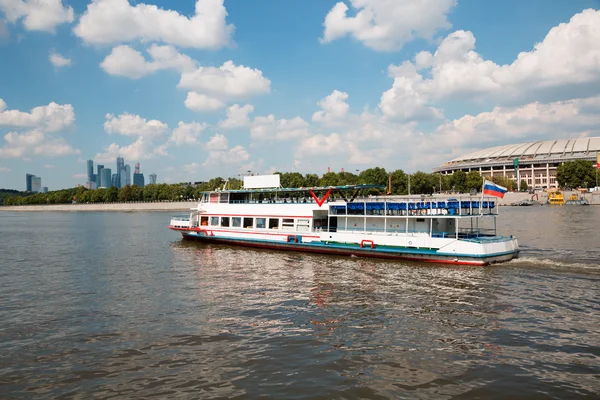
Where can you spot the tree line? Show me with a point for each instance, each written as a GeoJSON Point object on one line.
{"type": "Point", "coordinates": [420, 183]}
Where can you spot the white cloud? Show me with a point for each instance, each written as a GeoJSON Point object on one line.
{"type": "Point", "coordinates": [125, 61]}
{"type": "Point", "coordinates": [49, 166]}
{"type": "Point", "coordinates": [268, 128]}
{"type": "Point", "coordinates": [217, 142]}
{"type": "Point", "coordinates": [565, 65]}
{"type": "Point", "coordinates": [4, 32]}
{"type": "Point", "coordinates": [334, 109]}
{"type": "Point", "coordinates": [236, 155]}
{"type": "Point", "coordinates": [51, 118]}
{"type": "Point", "coordinates": [219, 152]}
{"type": "Point", "coordinates": [200, 102]}
{"type": "Point", "coordinates": [59, 61]}
{"type": "Point", "coordinates": [133, 125]}
{"type": "Point", "coordinates": [34, 142]}
{"type": "Point", "coordinates": [534, 121]}
{"type": "Point", "coordinates": [321, 145]}
{"type": "Point", "coordinates": [187, 134]}
{"type": "Point", "coordinates": [38, 15]}
{"type": "Point", "coordinates": [226, 81]}
{"type": "Point", "coordinates": [192, 168]}
{"type": "Point", "coordinates": [4, 169]}
{"type": "Point", "coordinates": [117, 21]}
{"type": "Point", "coordinates": [387, 25]}
{"type": "Point", "coordinates": [237, 117]}
{"type": "Point", "coordinates": [141, 149]}
{"type": "Point", "coordinates": [405, 101]}
{"type": "Point", "coordinates": [79, 176]}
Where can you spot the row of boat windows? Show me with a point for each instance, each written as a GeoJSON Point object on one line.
{"type": "Point", "coordinates": [289, 224]}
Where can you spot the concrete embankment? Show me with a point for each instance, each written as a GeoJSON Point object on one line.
{"type": "Point", "coordinates": [125, 207]}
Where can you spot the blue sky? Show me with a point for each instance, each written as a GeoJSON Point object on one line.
{"type": "Point", "coordinates": [270, 85]}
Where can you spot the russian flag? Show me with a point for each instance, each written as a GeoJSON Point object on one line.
{"type": "Point", "coordinates": [493, 190]}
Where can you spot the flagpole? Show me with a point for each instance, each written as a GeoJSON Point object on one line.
{"type": "Point", "coordinates": [481, 204]}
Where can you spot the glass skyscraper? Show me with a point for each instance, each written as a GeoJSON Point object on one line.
{"type": "Point", "coordinates": [105, 180]}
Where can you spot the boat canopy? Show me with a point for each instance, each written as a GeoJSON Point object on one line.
{"type": "Point", "coordinates": [301, 189]}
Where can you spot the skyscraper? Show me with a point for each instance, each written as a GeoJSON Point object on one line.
{"type": "Point", "coordinates": [90, 171]}
{"type": "Point", "coordinates": [28, 178]}
{"type": "Point", "coordinates": [105, 178]}
{"type": "Point", "coordinates": [114, 181]}
{"type": "Point", "coordinates": [138, 178]}
{"type": "Point", "coordinates": [36, 184]}
{"type": "Point", "coordinates": [120, 166]}
{"type": "Point", "coordinates": [152, 179]}
{"type": "Point", "coordinates": [125, 178]}
{"type": "Point", "coordinates": [99, 168]}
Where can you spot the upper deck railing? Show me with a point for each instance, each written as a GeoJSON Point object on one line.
{"type": "Point", "coordinates": [416, 206]}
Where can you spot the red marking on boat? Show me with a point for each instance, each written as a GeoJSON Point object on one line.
{"type": "Point", "coordinates": [320, 201]}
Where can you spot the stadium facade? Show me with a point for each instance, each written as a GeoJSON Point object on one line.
{"type": "Point", "coordinates": [537, 161]}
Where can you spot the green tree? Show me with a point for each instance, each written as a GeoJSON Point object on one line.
{"type": "Point", "coordinates": [458, 181]}
{"type": "Point", "coordinates": [311, 180]}
{"type": "Point", "coordinates": [399, 182]}
{"type": "Point", "coordinates": [575, 174]}
{"type": "Point", "coordinates": [473, 181]}
{"type": "Point", "coordinates": [524, 185]}
{"type": "Point", "coordinates": [112, 194]}
{"type": "Point", "coordinates": [373, 176]}
{"type": "Point", "coordinates": [329, 179]}
{"type": "Point", "coordinates": [98, 196]}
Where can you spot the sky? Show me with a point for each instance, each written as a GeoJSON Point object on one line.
{"type": "Point", "coordinates": [195, 89]}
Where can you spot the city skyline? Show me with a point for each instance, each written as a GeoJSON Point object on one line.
{"type": "Point", "coordinates": [203, 88]}
{"type": "Point", "coordinates": [104, 178]}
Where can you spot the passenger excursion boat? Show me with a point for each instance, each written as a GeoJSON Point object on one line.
{"type": "Point", "coordinates": [333, 220]}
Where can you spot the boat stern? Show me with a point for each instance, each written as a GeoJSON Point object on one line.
{"type": "Point", "coordinates": [180, 224]}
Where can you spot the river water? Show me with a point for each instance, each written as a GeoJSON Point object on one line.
{"type": "Point", "coordinates": [114, 305]}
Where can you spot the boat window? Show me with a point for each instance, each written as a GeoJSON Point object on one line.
{"type": "Point", "coordinates": [287, 224]}
{"type": "Point", "coordinates": [203, 221]}
{"type": "Point", "coordinates": [214, 221]}
{"type": "Point", "coordinates": [248, 222]}
{"type": "Point", "coordinates": [303, 225]}
{"type": "Point", "coordinates": [224, 221]}
{"type": "Point", "coordinates": [236, 222]}
{"type": "Point", "coordinates": [261, 223]}
{"type": "Point", "coordinates": [420, 219]}
{"type": "Point", "coordinates": [273, 223]}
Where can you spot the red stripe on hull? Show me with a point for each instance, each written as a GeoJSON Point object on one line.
{"type": "Point", "coordinates": [333, 251]}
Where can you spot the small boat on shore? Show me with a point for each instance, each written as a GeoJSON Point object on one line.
{"type": "Point", "coordinates": [334, 220]}
{"type": "Point", "coordinates": [556, 197]}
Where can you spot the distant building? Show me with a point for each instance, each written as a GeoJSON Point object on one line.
{"type": "Point", "coordinates": [114, 181]}
{"type": "Point", "coordinates": [36, 184]}
{"type": "Point", "coordinates": [534, 162]}
{"type": "Point", "coordinates": [90, 171]}
{"type": "Point", "coordinates": [119, 171]}
{"type": "Point", "coordinates": [105, 179]}
{"type": "Point", "coordinates": [138, 177]}
{"type": "Point", "coordinates": [125, 178]}
{"type": "Point", "coordinates": [138, 180]}
{"type": "Point", "coordinates": [152, 179]}
{"type": "Point", "coordinates": [45, 189]}
{"type": "Point", "coordinates": [28, 178]}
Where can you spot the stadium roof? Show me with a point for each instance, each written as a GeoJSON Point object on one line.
{"type": "Point", "coordinates": [550, 149]}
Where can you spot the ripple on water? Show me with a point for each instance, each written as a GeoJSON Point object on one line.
{"type": "Point", "coordinates": [127, 310]}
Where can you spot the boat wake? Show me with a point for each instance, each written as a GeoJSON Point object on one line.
{"type": "Point", "coordinates": [543, 262]}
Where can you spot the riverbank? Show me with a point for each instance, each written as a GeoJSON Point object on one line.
{"type": "Point", "coordinates": [122, 207]}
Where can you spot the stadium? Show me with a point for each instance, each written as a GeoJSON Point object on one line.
{"type": "Point", "coordinates": [537, 161]}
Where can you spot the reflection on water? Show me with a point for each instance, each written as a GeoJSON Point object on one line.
{"type": "Point", "coordinates": [128, 310]}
